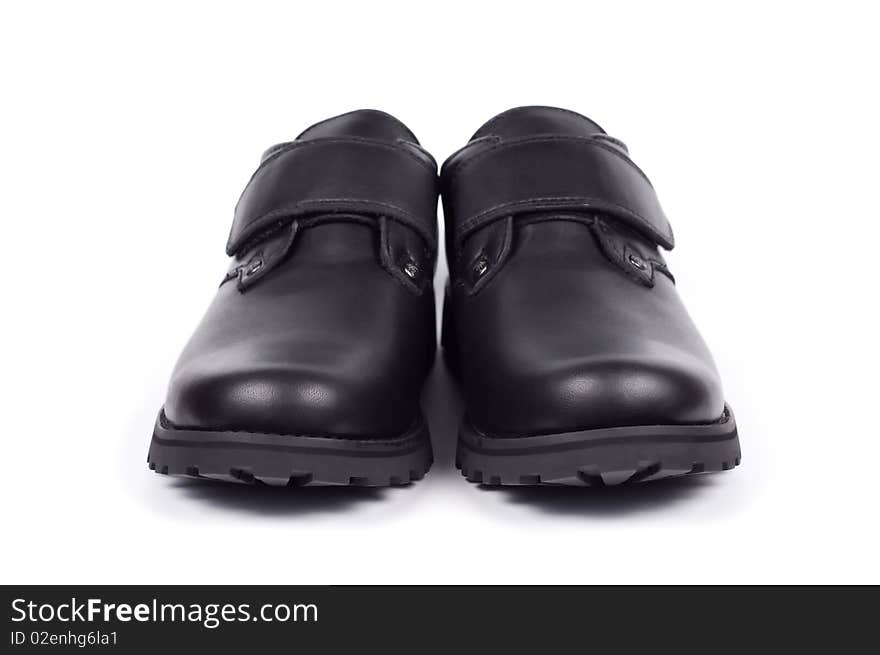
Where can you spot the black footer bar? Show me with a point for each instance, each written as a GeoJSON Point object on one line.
{"type": "Point", "coordinates": [445, 619]}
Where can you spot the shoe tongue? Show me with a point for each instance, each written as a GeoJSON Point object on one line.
{"type": "Point", "coordinates": [363, 123]}
{"type": "Point", "coordinates": [533, 121]}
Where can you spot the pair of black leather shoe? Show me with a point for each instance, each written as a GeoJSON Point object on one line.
{"type": "Point", "coordinates": [578, 361]}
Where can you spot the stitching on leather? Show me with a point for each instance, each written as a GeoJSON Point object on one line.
{"type": "Point", "coordinates": [503, 254]}
{"type": "Point", "coordinates": [264, 234]}
{"type": "Point", "coordinates": [420, 152]}
{"type": "Point", "coordinates": [295, 145]}
{"type": "Point", "coordinates": [450, 160]}
{"type": "Point", "coordinates": [621, 255]}
{"type": "Point", "coordinates": [454, 178]}
{"type": "Point", "coordinates": [473, 223]}
{"type": "Point", "coordinates": [611, 139]}
{"type": "Point", "coordinates": [512, 143]}
{"type": "Point", "coordinates": [406, 217]}
{"type": "Point", "coordinates": [611, 242]}
{"type": "Point", "coordinates": [386, 259]}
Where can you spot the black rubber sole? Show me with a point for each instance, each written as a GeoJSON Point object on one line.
{"type": "Point", "coordinates": [599, 458]}
{"type": "Point", "coordinates": [289, 460]}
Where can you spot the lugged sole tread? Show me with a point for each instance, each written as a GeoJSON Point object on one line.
{"type": "Point", "coordinates": [592, 476]}
{"type": "Point", "coordinates": [297, 479]}
{"type": "Point", "coordinates": [259, 459]}
{"type": "Point", "coordinates": [602, 457]}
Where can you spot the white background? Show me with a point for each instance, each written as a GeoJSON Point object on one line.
{"type": "Point", "coordinates": [127, 136]}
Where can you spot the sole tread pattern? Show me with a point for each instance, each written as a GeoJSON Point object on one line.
{"type": "Point", "coordinates": [253, 459]}
{"type": "Point", "coordinates": [295, 479]}
{"type": "Point", "coordinates": [601, 457]}
{"type": "Point", "coordinates": [592, 476]}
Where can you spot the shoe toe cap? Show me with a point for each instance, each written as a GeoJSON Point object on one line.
{"type": "Point", "coordinates": [283, 402]}
{"type": "Point", "coordinates": [622, 393]}
{"type": "Point", "coordinates": [607, 393]}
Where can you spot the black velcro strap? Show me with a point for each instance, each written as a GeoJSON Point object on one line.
{"type": "Point", "coordinates": [549, 174]}
{"type": "Point", "coordinates": [339, 175]}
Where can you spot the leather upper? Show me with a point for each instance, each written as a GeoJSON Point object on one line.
{"type": "Point", "coordinates": [561, 312]}
{"type": "Point", "coordinates": [339, 174]}
{"type": "Point", "coordinates": [589, 173]}
{"type": "Point", "coordinates": [324, 323]}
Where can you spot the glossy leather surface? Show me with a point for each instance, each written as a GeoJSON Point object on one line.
{"type": "Point", "coordinates": [561, 312]}
{"type": "Point", "coordinates": [324, 324]}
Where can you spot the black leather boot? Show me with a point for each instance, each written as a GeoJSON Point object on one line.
{"type": "Point", "coordinates": [578, 361]}
{"type": "Point", "coordinates": [308, 366]}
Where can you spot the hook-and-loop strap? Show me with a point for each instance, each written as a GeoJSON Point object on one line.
{"type": "Point", "coordinates": [550, 173]}
{"type": "Point", "coordinates": [339, 175]}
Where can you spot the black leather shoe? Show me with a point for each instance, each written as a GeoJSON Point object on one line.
{"type": "Point", "coordinates": [578, 361]}
{"type": "Point", "coordinates": [308, 365]}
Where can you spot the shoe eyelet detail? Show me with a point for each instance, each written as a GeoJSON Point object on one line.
{"type": "Point", "coordinates": [411, 269]}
